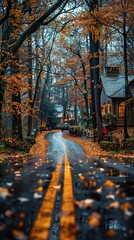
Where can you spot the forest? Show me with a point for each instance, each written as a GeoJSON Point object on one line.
{"type": "Point", "coordinates": [52, 54]}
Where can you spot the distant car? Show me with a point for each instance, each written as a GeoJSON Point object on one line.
{"type": "Point", "coordinates": [65, 126]}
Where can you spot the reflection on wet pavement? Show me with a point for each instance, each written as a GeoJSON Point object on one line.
{"type": "Point", "coordinates": [103, 194]}
{"type": "Point", "coordinates": [114, 202]}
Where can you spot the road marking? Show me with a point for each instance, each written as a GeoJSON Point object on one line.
{"type": "Point", "coordinates": [42, 224]}
{"type": "Point", "coordinates": [68, 228]}
{"type": "Point", "coordinates": [67, 221]}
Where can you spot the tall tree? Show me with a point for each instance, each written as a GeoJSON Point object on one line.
{"type": "Point", "coordinates": [118, 16]}
{"type": "Point", "coordinates": [94, 68]}
{"type": "Point", "coordinates": [17, 42]}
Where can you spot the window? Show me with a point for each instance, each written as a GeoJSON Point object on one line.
{"type": "Point", "coordinates": [109, 107]}
{"type": "Point", "coordinates": [103, 109]}
{"type": "Point", "coordinates": [121, 109]}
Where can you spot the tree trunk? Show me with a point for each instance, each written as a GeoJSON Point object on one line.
{"type": "Point", "coordinates": [95, 95]}
{"type": "Point", "coordinates": [86, 106]}
{"type": "Point", "coordinates": [93, 113]}
{"type": "Point", "coordinates": [126, 80]}
{"type": "Point", "coordinates": [6, 30]}
{"type": "Point", "coordinates": [30, 87]}
{"type": "Point", "coordinates": [75, 108]}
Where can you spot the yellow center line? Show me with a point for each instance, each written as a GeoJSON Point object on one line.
{"type": "Point", "coordinates": [68, 228]}
{"type": "Point", "coordinates": [42, 224]}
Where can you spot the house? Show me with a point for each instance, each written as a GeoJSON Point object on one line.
{"type": "Point", "coordinates": [113, 95]}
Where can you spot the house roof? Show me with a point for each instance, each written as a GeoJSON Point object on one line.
{"type": "Point", "coordinates": [115, 86]}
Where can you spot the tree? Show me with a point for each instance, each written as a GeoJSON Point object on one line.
{"type": "Point", "coordinates": [92, 27]}
{"type": "Point", "coordinates": [9, 50]}
{"type": "Point", "coordinates": [118, 16]}
{"type": "Point", "coordinates": [74, 74]}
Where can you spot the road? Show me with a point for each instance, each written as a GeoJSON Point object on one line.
{"type": "Point", "coordinates": [66, 196]}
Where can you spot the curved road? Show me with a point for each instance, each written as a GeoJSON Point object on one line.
{"type": "Point", "coordinates": [67, 196]}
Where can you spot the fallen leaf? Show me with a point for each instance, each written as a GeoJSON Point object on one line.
{"type": "Point", "coordinates": [128, 213]}
{"type": "Point", "coordinates": [94, 220]}
{"type": "Point", "coordinates": [98, 190]}
{"type": "Point", "coordinates": [9, 214]}
{"type": "Point", "coordinates": [23, 199]}
{"type": "Point", "coordinates": [20, 224]}
{"type": "Point", "coordinates": [9, 184]}
{"type": "Point", "coordinates": [101, 169]}
{"type": "Point", "coordinates": [19, 235]}
{"type": "Point", "coordinates": [110, 196]}
{"type": "Point", "coordinates": [37, 195]}
{"type": "Point", "coordinates": [22, 215]}
{"type": "Point", "coordinates": [39, 189]}
{"type": "Point", "coordinates": [126, 206]}
{"type": "Point", "coordinates": [2, 227]}
{"type": "Point", "coordinates": [109, 183]}
{"type": "Point", "coordinates": [84, 203]}
{"type": "Point", "coordinates": [4, 192]}
{"type": "Point", "coordinates": [92, 183]}
{"type": "Point", "coordinates": [122, 195]}
{"type": "Point", "coordinates": [57, 187]}
{"type": "Point", "coordinates": [82, 178]}
{"type": "Point", "coordinates": [113, 205]}
{"type": "Point", "coordinates": [40, 181]}
{"type": "Point", "coordinates": [111, 233]}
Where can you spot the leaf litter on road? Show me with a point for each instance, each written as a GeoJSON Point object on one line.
{"type": "Point", "coordinates": [87, 203]}
{"type": "Point", "coordinates": [94, 220]}
{"type": "Point", "coordinates": [4, 192]}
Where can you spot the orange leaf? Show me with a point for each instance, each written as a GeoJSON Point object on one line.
{"type": "Point", "coordinates": [110, 233]}
{"type": "Point", "coordinates": [126, 206]}
{"type": "Point", "coordinates": [94, 220]}
{"type": "Point", "coordinates": [109, 183]}
{"type": "Point", "coordinates": [39, 189]}
{"type": "Point", "coordinates": [113, 204]}
{"type": "Point", "coordinates": [82, 178]}
{"type": "Point", "coordinates": [84, 203]}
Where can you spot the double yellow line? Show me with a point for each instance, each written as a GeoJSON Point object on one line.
{"type": "Point", "coordinates": [42, 224]}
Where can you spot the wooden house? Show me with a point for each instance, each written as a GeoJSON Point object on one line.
{"type": "Point", "coordinates": [113, 95]}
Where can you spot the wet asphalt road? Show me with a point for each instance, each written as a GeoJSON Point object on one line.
{"type": "Point", "coordinates": [25, 180]}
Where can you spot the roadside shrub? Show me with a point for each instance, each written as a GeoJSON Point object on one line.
{"type": "Point", "coordinates": [30, 139]}
{"type": "Point", "coordinates": [110, 146]}
{"type": "Point", "coordinates": [2, 146]}
{"type": "Point", "coordinates": [110, 120]}
{"type": "Point", "coordinates": [76, 130]}
{"type": "Point", "coordinates": [129, 143]}
{"type": "Point", "coordinates": [20, 145]}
